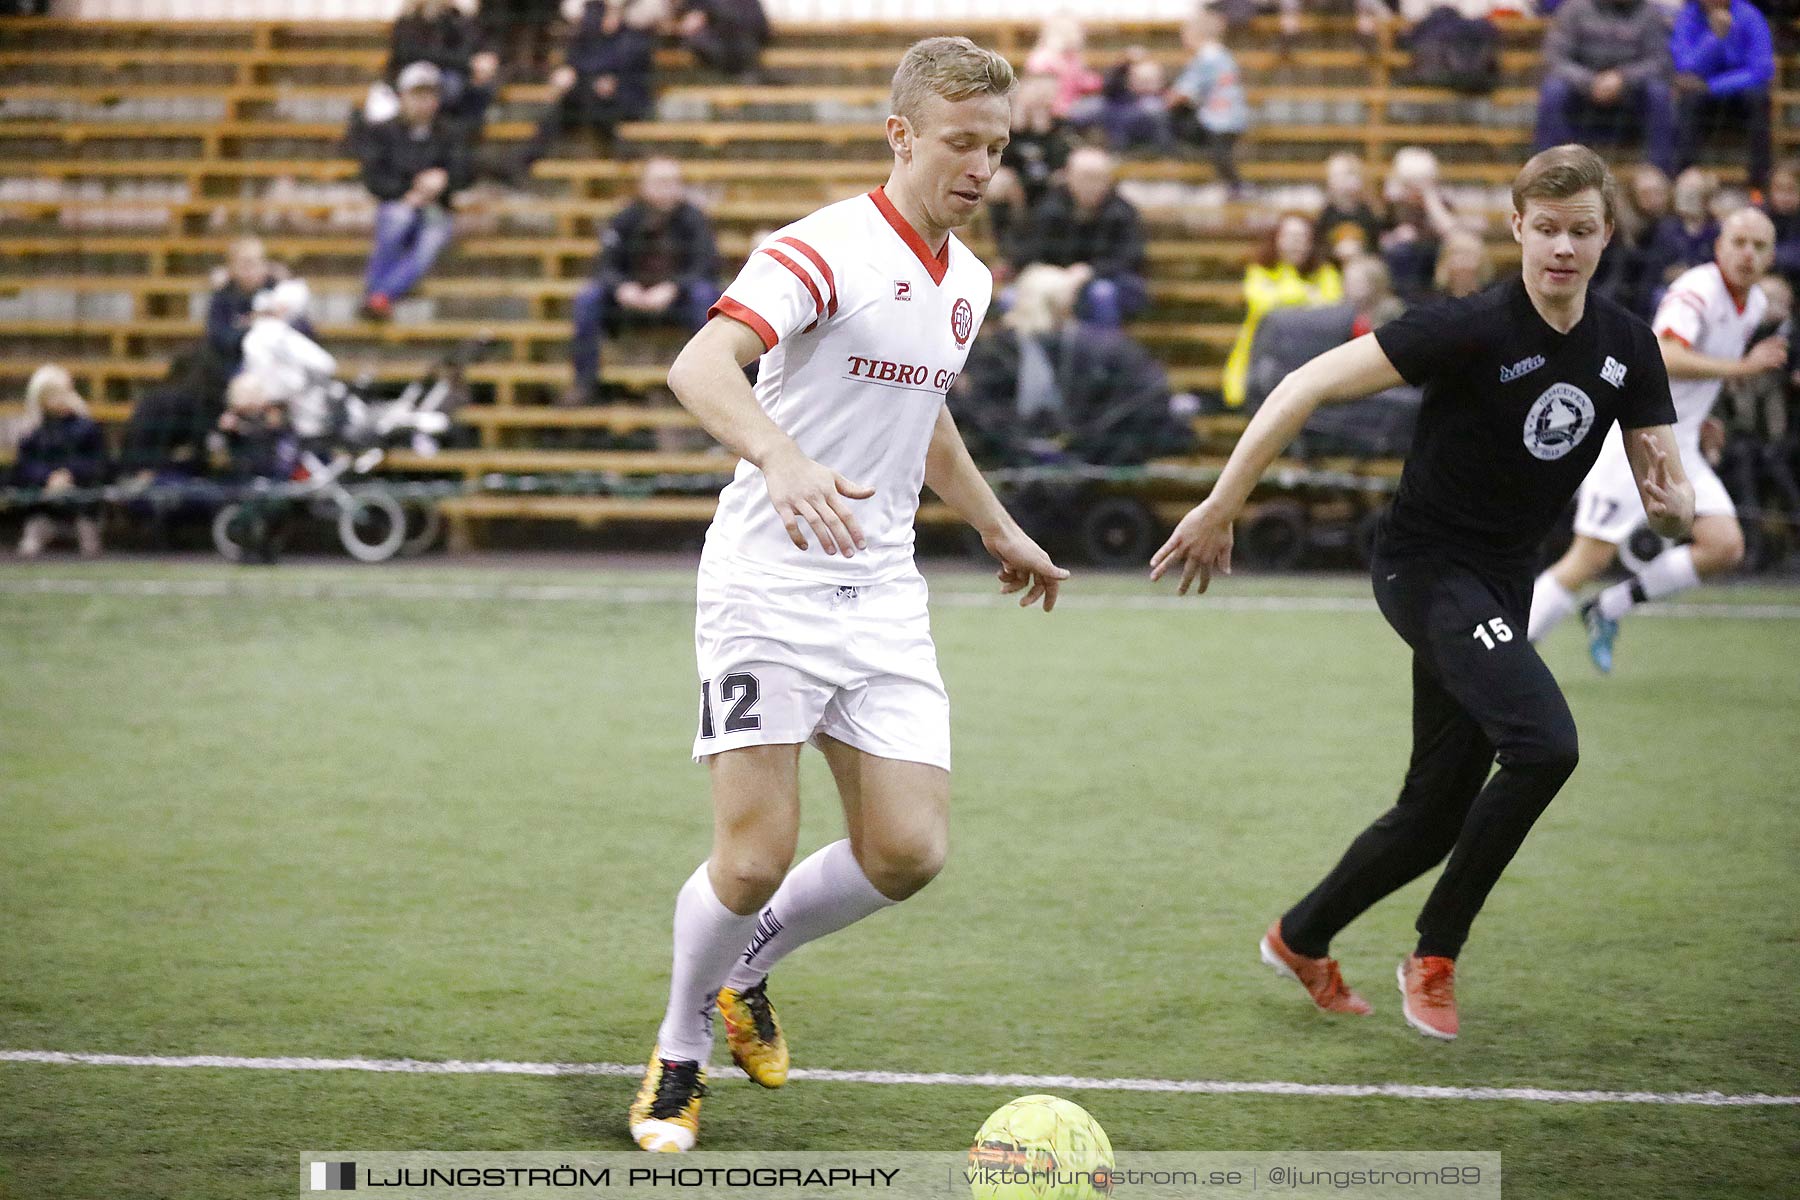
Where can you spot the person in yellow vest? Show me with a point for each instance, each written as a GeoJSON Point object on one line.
{"type": "Point", "coordinates": [1289, 271]}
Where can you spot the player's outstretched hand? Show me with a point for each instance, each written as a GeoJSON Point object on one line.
{"type": "Point", "coordinates": [1200, 545]}
{"type": "Point", "coordinates": [804, 490]}
{"type": "Point", "coordinates": [1024, 567]}
{"type": "Point", "coordinates": [1770, 354]}
{"type": "Point", "coordinates": [1665, 503]}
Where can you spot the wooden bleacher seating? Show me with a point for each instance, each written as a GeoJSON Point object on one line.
{"type": "Point", "coordinates": [251, 143]}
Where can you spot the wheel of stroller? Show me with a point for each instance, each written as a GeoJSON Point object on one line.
{"type": "Point", "coordinates": [1273, 537]}
{"type": "Point", "coordinates": [424, 524]}
{"type": "Point", "coordinates": [1118, 531]}
{"type": "Point", "coordinates": [230, 531]}
{"type": "Point", "coordinates": [371, 526]}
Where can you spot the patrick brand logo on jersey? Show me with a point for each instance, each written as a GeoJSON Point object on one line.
{"type": "Point", "coordinates": [903, 289]}
{"type": "Point", "coordinates": [1613, 372]}
{"type": "Point", "coordinates": [1558, 420]}
{"type": "Point", "coordinates": [962, 321]}
{"type": "Point", "coordinates": [1523, 367]}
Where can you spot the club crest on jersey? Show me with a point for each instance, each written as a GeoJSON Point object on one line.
{"type": "Point", "coordinates": [903, 289]}
{"type": "Point", "coordinates": [1613, 372]}
{"type": "Point", "coordinates": [1522, 368]}
{"type": "Point", "coordinates": [962, 322]}
{"type": "Point", "coordinates": [1558, 420]}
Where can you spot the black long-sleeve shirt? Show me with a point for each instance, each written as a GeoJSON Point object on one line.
{"type": "Point", "coordinates": [1111, 240]}
{"type": "Point", "coordinates": [67, 443]}
{"type": "Point", "coordinates": [225, 320]}
{"type": "Point", "coordinates": [628, 55]}
{"type": "Point", "coordinates": [447, 40]}
{"type": "Point", "coordinates": [646, 246]}
{"type": "Point", "coordinates": [393, 154]}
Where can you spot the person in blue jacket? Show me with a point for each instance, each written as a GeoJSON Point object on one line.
{"type": "Point", "coordinates": [63, 456]}
{"type": "Point", "coordinates": [1724, 67]}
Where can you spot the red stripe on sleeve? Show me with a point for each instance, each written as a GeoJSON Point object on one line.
{"type": "Point", "coordinates": [818, 260]}
{"type": "Point", "coordinates": [802, 276]}
{"type": "Point", "coordinates": [727, 307]}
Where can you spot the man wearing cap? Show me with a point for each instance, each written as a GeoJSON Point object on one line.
{"type": "Point", "coordinates": [413, 163]}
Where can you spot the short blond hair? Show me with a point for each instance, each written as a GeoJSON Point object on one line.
{"type": "Point", "coordinates": [46, 381]}
{"type": "Point", "coordinates": [952, 67]}
{"type": "Point", "coordinates": [1043, 299]}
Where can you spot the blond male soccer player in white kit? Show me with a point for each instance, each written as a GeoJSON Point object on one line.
{"type": "Point", "coordinates": [1703, 325]}
{"type": "Point", "coordinates": [811, 622]}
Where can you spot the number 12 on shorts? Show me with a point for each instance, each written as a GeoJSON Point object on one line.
{"type": "Point", "coordinates": [1492, 633]}
{"type": "Point", "coordinates": [740, 690]}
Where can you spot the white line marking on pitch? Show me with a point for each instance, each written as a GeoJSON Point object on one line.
{"type": "Point", "coordinates": [1207, 1087]}
{"type": "Point", "coordinates": [344, 589]}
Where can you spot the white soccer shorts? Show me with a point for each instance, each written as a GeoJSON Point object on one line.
{"type": "Point", "coordinates": [1608, 507]}
{"type": "Point", "coordinates": [786, 660]}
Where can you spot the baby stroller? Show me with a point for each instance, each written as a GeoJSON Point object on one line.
{"type": "Point", "coordinates": [345, 433]}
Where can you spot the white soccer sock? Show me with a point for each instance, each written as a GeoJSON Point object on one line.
{"type": "Point", "coordinates": [822, 895]}
{"type": "Point", "coordinates": [1550, 603]}
{"type": "Point", "coordinates": [708, 936]}
{"type": "Point", "coordinates": [1670, 572]}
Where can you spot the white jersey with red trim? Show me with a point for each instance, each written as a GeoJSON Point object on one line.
{"type": "Point", "coordinates": [864, 331]}
{"type": "Point", "coordinates": [1699, 310]}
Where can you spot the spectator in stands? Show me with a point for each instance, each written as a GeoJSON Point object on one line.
{"type": "Point", "coordinates": [1131, 111]}
{"type": "Point", "coordinates": [1291, 270]}
{"type": "Point", "coordinates": [1039, 149]}
{"type": "Point", "coordinates": [726, 35]}
{"type": "Point", "coordinates": [1463, 265]}
{"type": "Point", "coordinates": [164, 439]}
{"type": "Point", "coordinates": [63, 452]}
{"type": "Point", "coordinates": [1419, 217]}
{"type": "Point", "coordinates": [607, 76]}
{"type": "Point", "coordinates": [294, 371]}
{"type": "Point", "coordinates": [442, 34]}
{"type": "Point", "coordinates": [1061, 53]}
{"type": "Point", "coordinates": [259, 441]}
{"type": "Point", "coordinates": [1685, 237]}
{"type": "Point", "coordinates": [1348, 227]}
{"type": "Point", "coordinates": [1725, 201]}
{"type": "Point", "coordinates": [1783, 207]}
{"type": "Point", "coordinates": [1760, 441]}
{"type": "Point", "coordinates": [1041, 387]}
{"type": "Point", "coordinates": [657, 266]}
{"type": "Point", "coordinates": [263, 450]}
{"type": "Point", "coordinates": [1207, 101]}
{"type": "Point", "coordinates": [1369, 290]}
{"type": "Point", "coordinates": [1607, 71]}
{"type": "Point", "coordinates": [1724, 67]}
{"type": "Point", "coordinates": [1452, 45]}
{"type": "Point", "coordinates": [247, 272]}
{"type": "Point", "coordinates": [1651, 194]}
{"type": "Point", "coordinates": [522, 27]}
{"type": "Point", "coordinates": [414, 164]}
{"type": "Point", "coordinates": [1087, 225]}
{"type": "Point", "coordinates": [1627, 264]}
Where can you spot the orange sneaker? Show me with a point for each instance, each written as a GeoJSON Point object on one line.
{"type": "Point", "coordinates": [1428, 994]}
{"type": "Point", "coordinates": [1319, 976]}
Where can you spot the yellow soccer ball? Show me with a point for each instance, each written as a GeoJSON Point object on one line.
{"type": "Point", "coordinates": [1041, 1148]}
